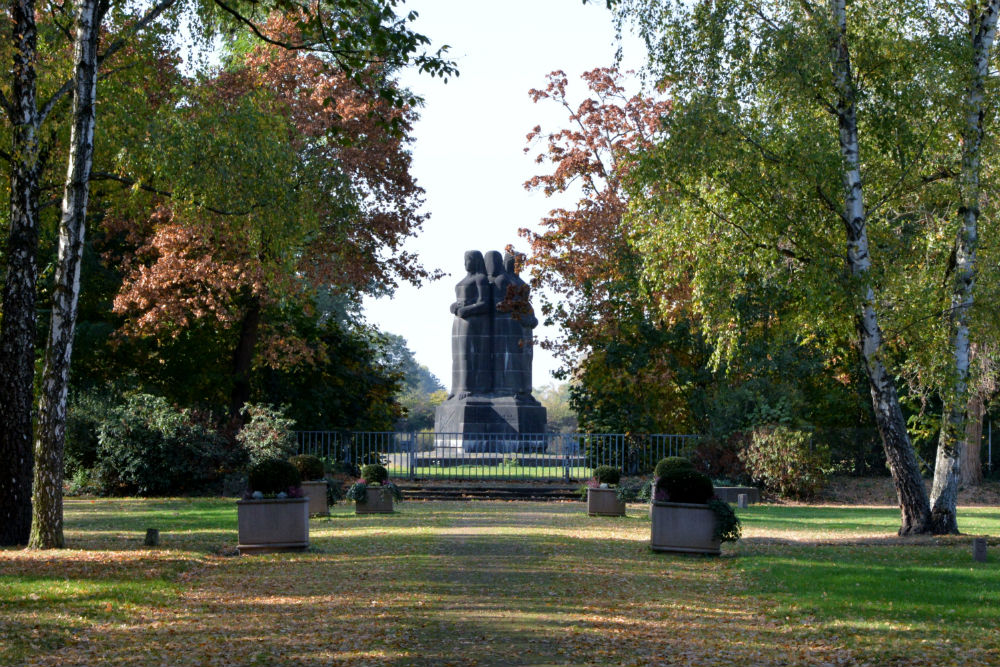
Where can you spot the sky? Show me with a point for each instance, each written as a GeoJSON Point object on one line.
{"type": "Point", "coordinates": [468, 150]}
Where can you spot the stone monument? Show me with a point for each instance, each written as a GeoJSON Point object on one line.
{"type": "Point", "coordinates": [491, 351]}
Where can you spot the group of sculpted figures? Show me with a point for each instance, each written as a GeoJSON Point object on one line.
{"type": "Point", "coordinates": [491, 338]}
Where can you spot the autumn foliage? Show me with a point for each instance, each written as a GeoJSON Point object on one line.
{"type": "Point", "coordinates": [307, 187]}
{"type": "Point", "coordinates": [614, 350]}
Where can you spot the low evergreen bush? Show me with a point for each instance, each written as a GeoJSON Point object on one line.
{"type": "Point", "coordinates": [374, 473]}
{"type": "Point", "coordinates": [310, 467]}
{"type": "Point", "coordinates": [672, 463]}
{"type": "Point", "coordinates": [684, 485]}
{"type": "Point", "coordinates": [274, 476]}
{"type": "Point", "coordinates": [147, 447]}
{"type": "Point", "coordinates": [607, 475]}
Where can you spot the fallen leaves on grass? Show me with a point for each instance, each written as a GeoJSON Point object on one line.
{"type": "Point", "coordinates": [464, 584]}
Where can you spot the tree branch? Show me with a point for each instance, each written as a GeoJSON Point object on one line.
{"type": "Point", "coordinates": [124, 180]}
{"type": "Point", "coordinates": [55, 98]}
{"type": "Point", "coordinates": [151, 15]}
{"type": "Point", "coordinates": [260, 35]}
{"type": "Point", "coordinates": [67, 87]}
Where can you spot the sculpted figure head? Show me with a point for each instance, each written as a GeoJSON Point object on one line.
{"type": "Point", "coordinates": [474, 262]}
{"type": "Point", "coordinates": [494, 264]}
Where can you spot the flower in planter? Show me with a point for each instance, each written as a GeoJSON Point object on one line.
{"type": "Point", "coordinates": [373, 475]}
{"type": "Point", "coordinates": [606, 476]}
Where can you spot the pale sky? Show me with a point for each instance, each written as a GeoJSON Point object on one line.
{"type": "Point", "coordinates": [468, 152]}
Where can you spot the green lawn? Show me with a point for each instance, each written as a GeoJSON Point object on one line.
{"type": "Point", "coordinates": [495, 584]}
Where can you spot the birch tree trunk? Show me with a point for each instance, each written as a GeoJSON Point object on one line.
{"type": "Point", "coordinates": [910, 490]}
{"type": "Point", "coordinates": [17, 332]}
{"type": "Point", "coordinates": [47, 524]}
{"type": "Point", "coordinates": [944, 493]}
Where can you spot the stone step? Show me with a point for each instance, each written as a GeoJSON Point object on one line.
{"type": "Point", "coordinates": [413, 491]}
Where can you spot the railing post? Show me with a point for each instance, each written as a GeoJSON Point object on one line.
{"type": "Point", "coordinates": [565, 455]}
{"type": "Point", "coordinates": [411, 454]}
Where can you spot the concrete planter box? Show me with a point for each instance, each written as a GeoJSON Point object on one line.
{"type": "Point", "coordinates": [316, 493]}
{"type": "Point", "coordinates": [603, 502]}
{"type": "Point", "coordinates": [273, 524]}
{"type": "Point", "coordinates": [730, 494]}
{"type": "Point", "coordinates": [683, 527]}
{"type": "Point", "coordinates": [378, 500]}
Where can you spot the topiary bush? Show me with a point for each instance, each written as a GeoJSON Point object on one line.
{"type": "Point", "coordinates": [672, 463]}
{"type": "Point", "coordinates": [374, 473]}
{"type": "Point", "coordinates": [607, 475]}
{"type": "Point", "coordinates": [785, 461]}
{"type": "Point", "coordinates": [145, 447]}
{"type": "Point", "coordinates": [274, 476]}
{"type": "Point", "coordinates": [267, 434]}
{"type": "Point", "coordinates": [310, 467]}
{"type": "Point", "coordinates": [684, 485]}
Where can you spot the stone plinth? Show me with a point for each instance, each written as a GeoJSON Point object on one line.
{"type": "Point", "coordinates": [490, 424]}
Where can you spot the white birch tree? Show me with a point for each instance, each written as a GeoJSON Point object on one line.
{"type": "Point", "coordinates": [752, 149]}
{"type": "Point", "coordinates": [980, 33]}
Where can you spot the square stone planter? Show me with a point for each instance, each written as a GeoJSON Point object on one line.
{"type": "Point", "coordinates": [316, 493]}
{"type": "Point", "coordinates": [273, 524]}
{"type": "Point", "coordinates": [378, 500]}
{"type": "Point", "coordinates": [603, 502]}
{"type": "Point", "coordinates": [683, 527]}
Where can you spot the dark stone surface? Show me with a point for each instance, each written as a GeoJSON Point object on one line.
{"type": "Point", "coordinates": [491, 343]}
{"type": "Point", "coordinates": [731, 494]}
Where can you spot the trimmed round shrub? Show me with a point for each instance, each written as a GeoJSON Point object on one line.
{"type": "Point", "coordinates": [310, 467]}
{"type": "Point", "coordinates": [272, 476]}
{"type": "Point", "coordinates": [607, 474]}
{"type": "Point", "coordinates": [685, 485]}
{"type": "Point", "coordinates": [672, 463]}
{"type": "Point", "coordinates": [374, 473]}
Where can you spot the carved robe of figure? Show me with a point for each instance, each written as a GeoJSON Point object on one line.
{"type": "Point", "coordinates": [506, 331]}
{"type": "Point", "coordinates": [524, 316]}
{"type": "Point", "coordinates": [472, 368]}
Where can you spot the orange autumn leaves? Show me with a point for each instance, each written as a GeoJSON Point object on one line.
{"type": "Point", "coordinates": [353, 202]}
{"type": "Point", "coordinates": [584, 252]}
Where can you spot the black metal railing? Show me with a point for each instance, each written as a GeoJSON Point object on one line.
{"type": "Point", "coordinates": [541, 456]}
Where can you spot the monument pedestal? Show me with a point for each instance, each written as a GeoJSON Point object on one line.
{"type": "Point", "coordinates": [490, 423]}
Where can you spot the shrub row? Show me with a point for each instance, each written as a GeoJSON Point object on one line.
{"type": "Point", "coordinates": [141, 445]}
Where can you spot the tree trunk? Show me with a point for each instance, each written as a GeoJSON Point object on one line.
{"type": "Point", "coordinates": [910, 490]}
{"type": "Point", "coordinates": [17, 331]}
{"type": "Point", "coordinates": [971, 472]}
{"type": "Point", "coordinates": [944, 494]}
{"type": "Point", "coordinates": [243, 359]}
{"type": "Point", "coordinates": [47, 525]}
